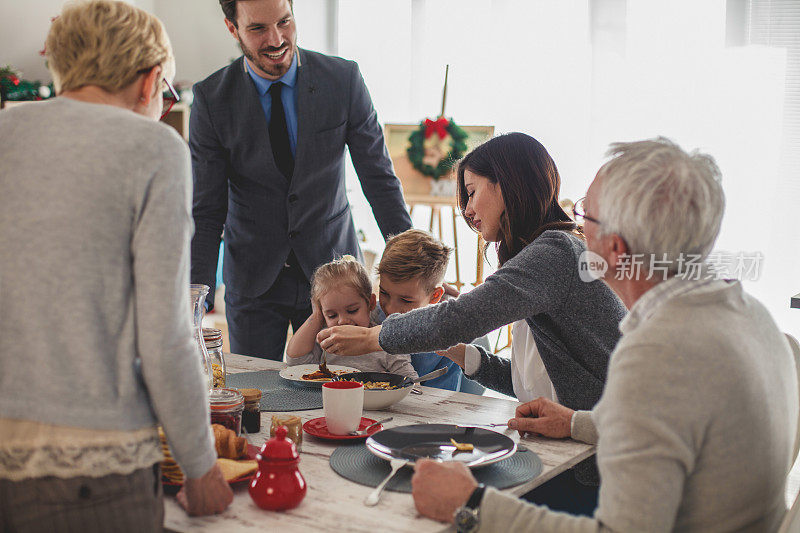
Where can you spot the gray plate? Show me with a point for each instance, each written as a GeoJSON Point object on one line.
{"type": "Point", "coordinates": [433, 441]}
{"type": "Point", "coordinates": [356, 463]}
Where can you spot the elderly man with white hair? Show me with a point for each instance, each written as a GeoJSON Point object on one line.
{"type": "Point", "coordinates": [696, 427]}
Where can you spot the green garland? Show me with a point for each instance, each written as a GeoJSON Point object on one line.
{"type": "Point", "coordinates": [14, 88]}
{"type": "Point", "coordinates": [416, 150]}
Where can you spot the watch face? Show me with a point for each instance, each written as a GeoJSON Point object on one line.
{"type": "Point", "coordinates": [466, 520]}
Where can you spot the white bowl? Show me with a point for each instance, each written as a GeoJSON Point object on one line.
{"type": "Point", "coordinates": [377, 399]}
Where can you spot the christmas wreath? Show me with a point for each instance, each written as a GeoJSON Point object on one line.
{"type": "Point", "coordinates": [429, 150]}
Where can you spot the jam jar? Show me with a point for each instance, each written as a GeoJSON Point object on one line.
{"type": "Point", "coordinates": [294, 428]}
{"type": "Point", "coordinates": [213, 341]}
{"type": "Point", "coordinates": [251, 417]}
{"type": "Point", "coordinates": [226, 408]}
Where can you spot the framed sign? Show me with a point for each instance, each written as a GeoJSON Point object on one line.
{"type": "Point", "coordinates": [417, 187]}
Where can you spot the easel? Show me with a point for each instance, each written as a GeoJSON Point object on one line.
{"type": "Point", "coordinates": [417, 188]}
{"type": "Point", "coordinates": [436, 203]}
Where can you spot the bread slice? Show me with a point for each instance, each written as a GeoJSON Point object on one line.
{"type": "Point", "coordinates": [235, 469]}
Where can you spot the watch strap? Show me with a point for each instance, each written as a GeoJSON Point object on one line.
{"type": "Point", "coordinates": [467, 517]}
{"type": "Point", "coordinates": [475, 498]}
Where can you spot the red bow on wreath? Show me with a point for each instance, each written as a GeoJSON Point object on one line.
{"type": "Point", "coordinates": [439, 126]}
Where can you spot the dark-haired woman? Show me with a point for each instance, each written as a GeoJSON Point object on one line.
{"type": "Point", "coordinates": [508, 191]}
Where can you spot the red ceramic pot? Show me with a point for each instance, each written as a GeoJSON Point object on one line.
{"type": "Point", "coordinates": [278, 484]}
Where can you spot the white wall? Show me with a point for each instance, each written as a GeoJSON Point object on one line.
{"type": "Point", "coordinates": [199, 37]}
{"type": "Point", "coordinates": [200, 40]}
{"type": "Point", "coordinates": [23, 28]}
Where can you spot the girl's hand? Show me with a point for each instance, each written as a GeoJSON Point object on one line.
{"type": "Point", "coordinates": [317, 316]}
{"type": "Point", "coordinates": [350, 340]}
{"type": "Point", "coordinates": [302, 341]}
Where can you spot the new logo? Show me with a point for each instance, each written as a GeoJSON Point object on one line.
{"type": "Point", "coordinates": [591, 266]}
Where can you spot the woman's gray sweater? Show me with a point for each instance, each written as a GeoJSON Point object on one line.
{"type": "Point", "coordinates": [94, 275]}
{"type": "Point", "coordinates": [574, 323]}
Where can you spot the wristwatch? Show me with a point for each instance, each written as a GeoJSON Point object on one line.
{"type": "Point", "coordinates": [467, 517]}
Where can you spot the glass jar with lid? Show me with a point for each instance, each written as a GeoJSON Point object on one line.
{"type": "Point", "coordinates": [226, 408]}
{"type": "Point", "coordinates": [294, 427]}
{"type": "Point", "coordinates": [251, 417]}
{"type": "Point", "coordinates": [213, 341]}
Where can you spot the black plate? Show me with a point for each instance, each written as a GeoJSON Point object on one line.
{"type": "Point", "coordinates": [395, 380]}
{"type": "Point", "coordinates": [433, 441]}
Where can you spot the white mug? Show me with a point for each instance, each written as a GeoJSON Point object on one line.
{"type": "Point", "coordinates": [342, 402]}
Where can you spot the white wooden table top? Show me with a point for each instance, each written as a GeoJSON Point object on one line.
{"type": "Point", "coordinates": [333, 503]}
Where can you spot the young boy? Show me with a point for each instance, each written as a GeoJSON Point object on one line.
{"type": "Point", "coordinates": [411, 273]}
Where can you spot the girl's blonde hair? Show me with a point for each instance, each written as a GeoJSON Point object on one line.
{"type": "Point", "coordinates": [105, 43]}
{"type": "Point", "coordinates": [344, 271]}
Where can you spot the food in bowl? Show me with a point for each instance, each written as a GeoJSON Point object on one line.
{"type": "Point", "coordinates": [381, 389]}
{"type": "Point", "coordinates": [372, 385]}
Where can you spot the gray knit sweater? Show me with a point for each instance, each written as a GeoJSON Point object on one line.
{"type": "Point", "coordinates": [94, 275]}
{"type": "Point", "coordinates": [574, 324]}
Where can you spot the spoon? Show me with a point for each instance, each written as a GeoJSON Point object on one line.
{"type": "Point", "coordinates": [430, 375]}
{"type": "Point", "coordinates": [374, 496]}
{"type": "Point", "coordinates": [366, 429]}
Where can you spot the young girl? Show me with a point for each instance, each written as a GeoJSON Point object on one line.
{"type": "Point", "coordinates": [341, 294]}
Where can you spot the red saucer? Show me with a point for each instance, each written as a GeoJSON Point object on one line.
{"type": "Point", "coordinates": [319, 428]}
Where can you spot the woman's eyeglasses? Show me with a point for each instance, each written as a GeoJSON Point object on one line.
{"type": "Point", "coordinates": [579, 212]}
{"type": "Point", "coordinates": [169, 99]}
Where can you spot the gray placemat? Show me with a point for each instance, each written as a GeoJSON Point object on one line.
{"type": "Point", "coordinates": [276, 393]}
{"type": "Point", "coordinates": [357, 463]}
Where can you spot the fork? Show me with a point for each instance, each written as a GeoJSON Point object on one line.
{"type": "Point", "coordinates": [482, 425]}
{"type": "Point", "coordinates": [374, 496]}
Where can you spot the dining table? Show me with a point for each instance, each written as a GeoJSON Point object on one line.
{"type": "Point", "coordinates": [333, 503]}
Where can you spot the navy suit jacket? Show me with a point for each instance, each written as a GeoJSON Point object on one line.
{"type": "Point", "coordinates": [238, 187]}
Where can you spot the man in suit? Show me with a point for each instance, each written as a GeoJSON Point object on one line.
{"type": "Point", "coordinates": [267, 137]}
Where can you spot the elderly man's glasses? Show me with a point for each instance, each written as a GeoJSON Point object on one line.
{"type": "Point", "coordinates": [169, 99]}
{"type": "Point", "coordinates": [579, 212]}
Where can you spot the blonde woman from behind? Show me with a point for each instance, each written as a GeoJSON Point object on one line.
{"type": "Point", "coordinates": [95, 236]}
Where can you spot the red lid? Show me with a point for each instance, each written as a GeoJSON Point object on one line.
{"type": "Point", "coordinates": [279, 448]}
{"type": "Point", "coordinates": [343, 385]}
